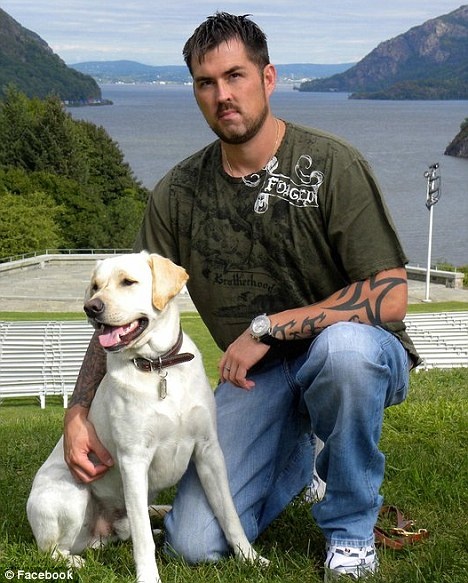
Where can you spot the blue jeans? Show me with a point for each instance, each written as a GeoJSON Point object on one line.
{"type": "Point", "coordinates": [337, 390]}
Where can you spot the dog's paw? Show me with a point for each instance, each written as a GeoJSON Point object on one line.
{"type": "Point", "coordinates": [262, 561]}
{"type": "Point", "coordinates": [74, 561]}
{"type": "Point", "coordinates": [259, 560]}
{"type": "Point", "coordinates": [98, 543]}
{"type": "Point", "coordinates": [250, 555]}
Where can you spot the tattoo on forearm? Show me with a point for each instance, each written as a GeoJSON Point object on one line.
{"type": "Point", "coordinates": [281, 331]}
{"type": "Point", "coordinates": [372, 308]}
{"type": "Point", "coordinates": [354, 299]}
{"type": "Point", "coordinates": [91, 373]}
{"type": "Point", "coordinates": [311, 325]}
{"type": "Point", "coordinates": [308, 328]}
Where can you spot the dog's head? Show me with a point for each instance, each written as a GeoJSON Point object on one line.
{"type": "Point", "coordinates": [127, 292]}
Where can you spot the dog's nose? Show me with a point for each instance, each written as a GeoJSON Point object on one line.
{"type": "Point", "coordinates": [93, 308]}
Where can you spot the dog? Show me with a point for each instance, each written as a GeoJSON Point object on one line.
{"type": "Point", "coordinates": [154, 411]}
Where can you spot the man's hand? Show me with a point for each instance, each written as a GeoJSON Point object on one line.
{"type": "Point", "coordinates": [239, 358]}
{"type": "Point", "coordinates": [81, 445]}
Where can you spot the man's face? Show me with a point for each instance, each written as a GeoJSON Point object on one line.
{"type": "Point", "coordinates": [232, 93]}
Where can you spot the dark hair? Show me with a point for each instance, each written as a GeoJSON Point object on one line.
{"type": "Point", "coordinates": [222, 27]}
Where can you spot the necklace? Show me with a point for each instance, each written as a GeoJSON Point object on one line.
{"type": "Point", "coordinates": [231, 171]}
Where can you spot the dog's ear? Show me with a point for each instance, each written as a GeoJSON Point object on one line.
{"type": "Point", "coordinates": [168, 279]}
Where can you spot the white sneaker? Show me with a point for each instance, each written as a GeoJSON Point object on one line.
{"type": "Point", "coordinates": [352, 562]}
{"type": "Point", "coordinates": [316, 490]}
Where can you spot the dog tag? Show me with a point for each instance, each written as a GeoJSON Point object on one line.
{"type": "Point", "coordinates": [162, 386]}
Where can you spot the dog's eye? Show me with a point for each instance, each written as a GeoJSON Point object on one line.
{"type": "Point", "coordinates": [128, 282]}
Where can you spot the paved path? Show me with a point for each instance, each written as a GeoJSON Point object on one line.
{"type": "Point", "coordinates": [52, 287]}
{"type": "Point", "coordinates": [60, 287]}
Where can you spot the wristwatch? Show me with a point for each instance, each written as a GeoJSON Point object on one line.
{"type": "Point", "coordinates": [260, 330]}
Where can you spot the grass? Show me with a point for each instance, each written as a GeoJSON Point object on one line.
{"type": "Point", "coordinates": [424, 440]}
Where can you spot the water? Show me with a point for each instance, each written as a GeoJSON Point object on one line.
{"type": "Point", "coordinates": [157, 126]}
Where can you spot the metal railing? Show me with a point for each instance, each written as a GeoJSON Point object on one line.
{"type": "Point", "coordinates": [33, 254]}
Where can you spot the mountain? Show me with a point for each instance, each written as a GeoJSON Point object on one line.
{"type": "Point", "coordinates": [133, 72]}
{"type": "Point", "coordinates": [429, 61]}
{"type": "Point", "coordinates": [28, 62]}
{"type": "Point", "coordinates": [458, 147]}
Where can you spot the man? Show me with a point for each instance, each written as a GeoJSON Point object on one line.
{"type": "Point", "coordinates": [297, 271]}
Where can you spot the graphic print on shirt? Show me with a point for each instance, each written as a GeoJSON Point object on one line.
{"type": "Point", "coordinates": [300, 193]}
{"type": "Point", "coordinates": [246, 235]}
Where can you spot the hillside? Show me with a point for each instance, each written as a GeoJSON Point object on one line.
{"type": "Point", "coordinates": [458, 147]}
{"type": "Point", "coordinates": [28, 63]}
{"type": "Point", "coordinates": [429, 61]}
{"type": "Point", "coordinates": [134, 72]}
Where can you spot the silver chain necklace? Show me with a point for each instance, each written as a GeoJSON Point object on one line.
{"type": "Point", "coordinates": [243, 178]}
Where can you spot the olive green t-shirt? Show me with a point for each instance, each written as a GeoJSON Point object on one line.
{"type": "Point", "coordinates": [307, 225]}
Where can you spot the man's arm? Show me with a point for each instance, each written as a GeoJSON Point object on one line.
{"type": "Point", "coordinates": [80, 439]}
{"type": "Point", "coordinates": [91, 374]}
{"type": "Point", "coordinates": [380, 299]}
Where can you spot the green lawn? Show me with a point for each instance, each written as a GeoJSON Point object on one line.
{"type": "Point", "coordinates": [426, 476]}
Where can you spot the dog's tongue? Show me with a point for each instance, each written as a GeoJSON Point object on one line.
{"type": "Point", "coordinates": [112, 335]}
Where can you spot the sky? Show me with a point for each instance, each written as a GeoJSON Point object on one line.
{"type": "Point", "coordinates": [298, 31]}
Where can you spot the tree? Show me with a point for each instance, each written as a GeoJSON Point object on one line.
{"type": "Point", "coordinates": [76, 164]}
{"type": "Point", "coordinates": [16, 130]}
{"type": "Point", "coordinates": [27, 223]}
{"type": "Point", "coordinates": [125, 214]}
{"type": "Point", "coordinates": [38, 135]}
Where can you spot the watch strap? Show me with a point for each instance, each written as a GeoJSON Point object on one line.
{"type": "Point", "coordinates": [269, 340]}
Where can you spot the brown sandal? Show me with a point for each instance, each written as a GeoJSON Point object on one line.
{"type": "Point", "coordinates": [399, 536]}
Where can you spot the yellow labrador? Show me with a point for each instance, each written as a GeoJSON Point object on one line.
{"type": "Point", "coordinates": [154, 411]}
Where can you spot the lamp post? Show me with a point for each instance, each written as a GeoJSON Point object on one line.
{"type": "Point", "coordinates": [432, 196]}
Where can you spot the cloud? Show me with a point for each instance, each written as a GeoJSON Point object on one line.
{"type": "Point", "coordinates": [298, 31]}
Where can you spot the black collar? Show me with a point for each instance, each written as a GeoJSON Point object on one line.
{"type": "Point", "coordinates": [169, 358]}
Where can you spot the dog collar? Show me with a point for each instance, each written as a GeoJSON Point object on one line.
{"type": "Point", "coordinates": [169, 358]}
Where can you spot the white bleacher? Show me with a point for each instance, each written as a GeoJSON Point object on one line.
{"type": "Point", "coordinates": [40, 359]}
{"type": "Point", "coordinates": [441, 338]}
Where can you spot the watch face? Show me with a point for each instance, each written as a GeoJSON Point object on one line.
{"type": "Point", "coordinates": [260, 325]}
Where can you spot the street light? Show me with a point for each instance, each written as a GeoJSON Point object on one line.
{"type": "Point", "coordinates": [432, 197]}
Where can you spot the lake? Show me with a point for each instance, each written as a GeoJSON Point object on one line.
{"type": "Point", "coordinates": [158, 125]}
